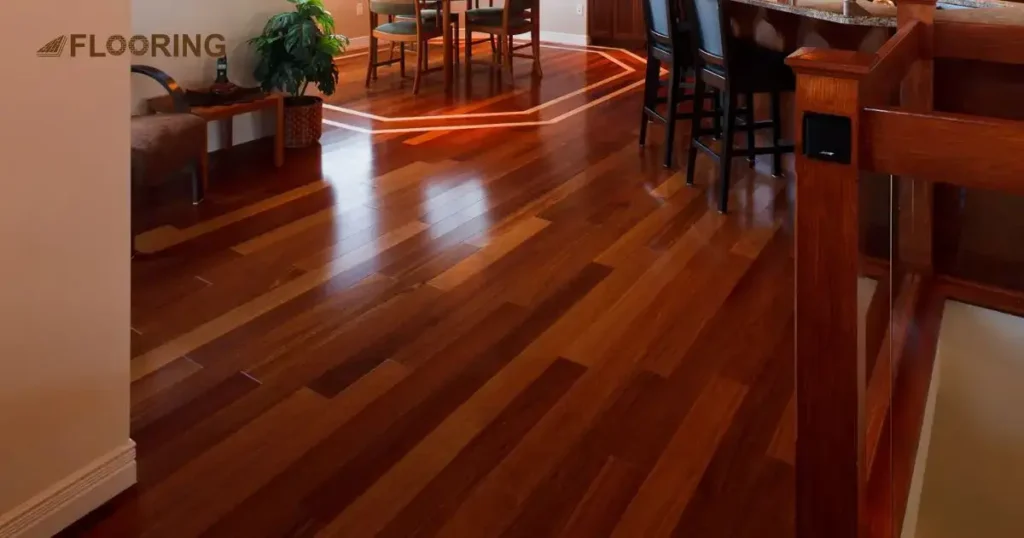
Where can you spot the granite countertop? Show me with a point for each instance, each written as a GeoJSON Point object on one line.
{"type": "Point", "coordinates": [866, 13]}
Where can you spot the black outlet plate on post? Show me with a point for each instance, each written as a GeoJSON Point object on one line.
{"type": "Point", "coordinates": [827, 137]}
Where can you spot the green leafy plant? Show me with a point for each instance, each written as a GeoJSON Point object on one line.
{"type": "Point", "coordinates": [297, 48]}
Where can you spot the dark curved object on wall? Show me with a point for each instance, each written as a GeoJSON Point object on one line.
{"type": "Point", "coordinates": [169, 84]}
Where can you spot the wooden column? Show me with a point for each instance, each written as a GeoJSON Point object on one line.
{"type": "Point", "coordinates": [830, 374]}
{"type": "Point", "coordinates": [916, 196]}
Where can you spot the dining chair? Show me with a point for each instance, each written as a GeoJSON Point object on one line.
{"type": "Point", "coordinates": [734, 67]}
{"type": "Point", "coordinates": [668, 43]}
{"type": "Point", "coordinates": [516, 17]}
{"type": "Point", "coordinates": [471, 4]}
{"type": "Point", "coordinates": [432, 14]}
{"type": "Point", "coordinates": [406, 24]}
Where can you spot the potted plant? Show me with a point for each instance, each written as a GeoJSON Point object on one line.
{"type": "Point", "coordinates": [296, 49]}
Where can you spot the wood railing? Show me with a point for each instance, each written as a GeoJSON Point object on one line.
{"type": "Point", "coordinates": [857, 429]}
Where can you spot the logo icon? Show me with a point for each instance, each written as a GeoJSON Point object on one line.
{"type": "Point", "coordinates": [53, 48]}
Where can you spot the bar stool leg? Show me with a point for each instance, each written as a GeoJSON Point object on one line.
{"type": "Point", "coordinates": [725, 162]}
{"type": "Point", "coordinates": [717, 116]}
{"type": "Point", "coordinates": [670, 114]}
{"type": "Point", "coordinates": [776, 135]}
{"type": "Point", "coordinates": [650, 95]}
{"type": "Point", "coordinates": [749, 119]}
{"type": "Point", "coordinates": [695, 127]}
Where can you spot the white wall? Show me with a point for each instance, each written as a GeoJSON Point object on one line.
{"type": "Point", "coordinates": [973, 483]}
{"type": "Point", "coordinates": [64, 281]}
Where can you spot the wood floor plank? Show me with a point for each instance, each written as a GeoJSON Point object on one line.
{"type": "Point", "coordinates": [286, 434]}
{"type": "Point", "coordinates": [240, 315]}
{"type": "Point", "coordinates": [419, 507]}
{"type": "Point", "coordinates": [160, 431]}
{"type": "Point", "coordinates": [618, 432]}
{"type": "Point", "coordinates": [614, 324]}
{"type": "Point", "coordinates": [607, 497]}
{"type": "Point", "coordinates": [489, 254]}
{"type": "Point", "coordinates": [783, 445]}
{"type": "Point", "coordinates": [338, 492]}
{"type": "Point", "coordinates": [160, 381]}
{"type": "Point", "coordinates": [492, 332]}
{"type": "Point", "coordinates": [664, 495]}
{"type": "Point", "coordinates": [165, 237]}
{"type": "Point", "coordinates": [732, 472]}
{"type": "Point", "coordinates": [541, 449]}
{"type": "Point", "coordinates": [277, 506]}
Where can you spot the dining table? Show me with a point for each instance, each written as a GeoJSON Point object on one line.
{"type": "Point", "coordinates": [449, 64]}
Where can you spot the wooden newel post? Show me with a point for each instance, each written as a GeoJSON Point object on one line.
{"type": "Point", "coordinates": [916, 196]}
{"type": "Point", "coordinates": [830, 374]}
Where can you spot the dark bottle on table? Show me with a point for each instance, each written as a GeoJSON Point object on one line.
{"type": "Point", "coordinates": [222, 86]}
{"type": "Point", "coordinates": [222, 70]}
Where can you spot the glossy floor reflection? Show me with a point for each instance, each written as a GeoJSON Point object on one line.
{"type": "Point", "coordinates": [498, 332]}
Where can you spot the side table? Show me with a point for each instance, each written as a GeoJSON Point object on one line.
{"type": "Point", "coordinates": [228, 112]}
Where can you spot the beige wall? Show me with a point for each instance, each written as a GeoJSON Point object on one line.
{"type": "Point", "coordinates": [560, 16]}
{"type": "Point", "coordinates": [237, 21]}
{"type": "Point", "coordinates": [64, 221]}
{"type": "Point", "coordinates": [346, 21]}
{"type": "Point", "coordinates": [557, 16]}
{"type": "Point", "coordinates": [973, 481]}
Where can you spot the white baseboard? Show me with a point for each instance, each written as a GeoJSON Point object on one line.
{"type": "Point", "coordinates": [358, 43]}
{"type": "Point", "coordinates": [68, 500]}
{"type": "Point", "coordinates": [564, 39]}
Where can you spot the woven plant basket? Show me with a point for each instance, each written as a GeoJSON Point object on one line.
{"type": "Point", "coordinates": [303, 118]}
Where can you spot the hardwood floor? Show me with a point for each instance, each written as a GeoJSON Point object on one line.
{"type": "Point", "coordinates": [530, 331]}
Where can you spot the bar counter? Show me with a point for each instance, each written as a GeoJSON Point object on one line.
{"type": "Point", "coordinates": [880, 14]}
{"type": "Point", "coordinates": [977, 233]}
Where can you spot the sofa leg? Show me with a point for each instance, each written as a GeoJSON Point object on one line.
{"type": "Point", "coordinates": [198, 187]}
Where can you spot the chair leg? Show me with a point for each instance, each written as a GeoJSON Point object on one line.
{"type": "Point", "coordinates": [508, 56]}
{"type": "Point", "coordinates": [776, 135]}
{"type": "Point", "coordinates": [695, 126]}
{"type": "Point", "coordinates": [469, 50]}
{"type": "Point", "coordinates": [372, 55]}
{"type": "Point", "coordinates": [670, 114]}
{"type": "Point", "coordinates": [421, 63]}
{"type": "Point", "coordinates": [717, 116]}
{"type": "Point", "coordinates": [749, 119]}
{"type": "Point", "coordinates": [725, 164]}
{"type": "Point", "coordinates": [401, 59]}
{"type": "Point", "coordinates": [499, 52]}
{"type": "Point", "coordinates": [650, 95]}
{"type": "Point", "coordinates": [455, 42]}
{"type": "Point", "coordinates": [535, 37]}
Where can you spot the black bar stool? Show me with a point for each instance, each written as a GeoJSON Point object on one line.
{"type": "Point", "coordinates": [734, 67]}
{"type": "Point", "coordinates": [668, 43]}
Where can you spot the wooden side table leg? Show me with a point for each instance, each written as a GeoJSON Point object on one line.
{"type": "Point", "coordinates": [227, 132]}
{"type": "Point", "coordinates": [279, 134]}
{"type": "Point", "coordinates": [204, 162]}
